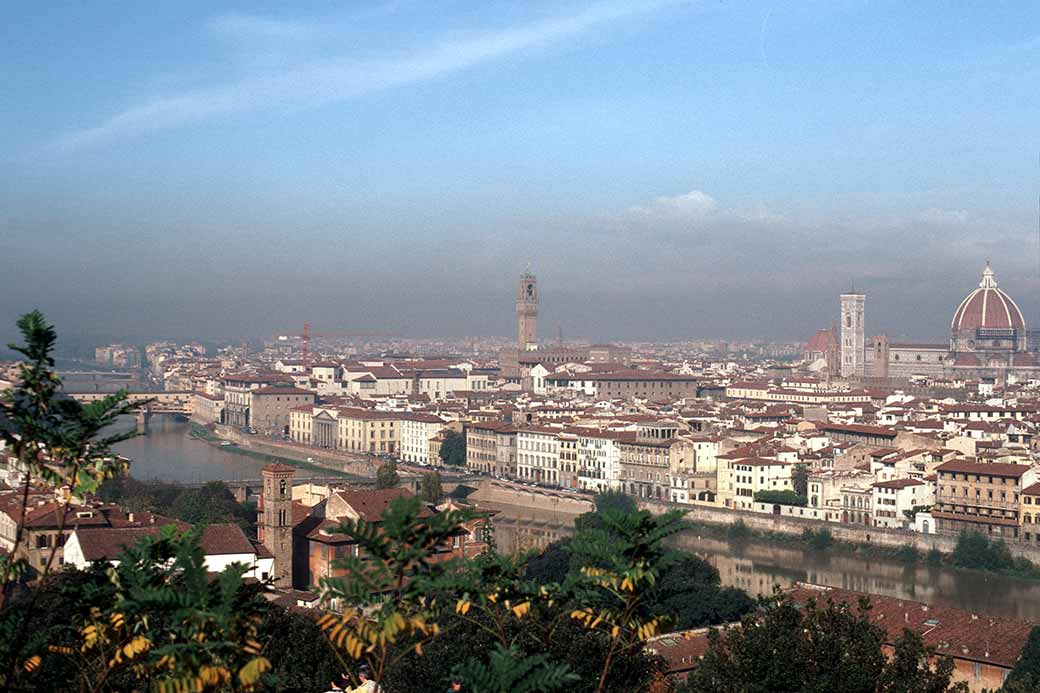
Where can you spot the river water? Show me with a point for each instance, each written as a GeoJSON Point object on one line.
{"type": "Point", "coordinates": [756, 566]}
{"type": "Point", "coordinates": [167, 452]}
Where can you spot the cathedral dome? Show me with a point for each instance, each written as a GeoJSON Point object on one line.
{"type": "Point", "coordinates": [987, 307]}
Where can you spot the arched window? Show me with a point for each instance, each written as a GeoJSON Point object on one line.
{"type": "Point", "coordinates": [281, 487]}
{"type": "Point", "coordinates": [848, 321]}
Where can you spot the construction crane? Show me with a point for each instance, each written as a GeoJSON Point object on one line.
{"type": "Point", "coordinates": [306, 335]}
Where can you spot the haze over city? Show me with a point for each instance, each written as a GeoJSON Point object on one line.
{"type": "Point", "coordinates": [667, 168]}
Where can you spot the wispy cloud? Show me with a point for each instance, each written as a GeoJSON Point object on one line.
{"type": "Point", "coordinates": [315, 84]}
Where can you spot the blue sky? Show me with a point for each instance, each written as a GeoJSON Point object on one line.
{"type": "Point", "coordinates": [668, 168]}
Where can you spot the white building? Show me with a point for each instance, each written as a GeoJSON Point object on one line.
{"type": "Point", "coordinates": [754, 474]}
{"type": "Point", "coordinates": [222, 545]}
{"type": "Point", "coordinates": [416, 431]}
{"type": "Point", "coordinates": [599, 461]}
{"type": "Point", "coordinates": [538, 455]}
{"type": "Point", "coordinates": [894, 498]}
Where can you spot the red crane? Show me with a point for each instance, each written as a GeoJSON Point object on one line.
{"type": "Point", "coordinates": [305, 339]}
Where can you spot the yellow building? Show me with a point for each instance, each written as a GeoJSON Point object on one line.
{"type": "Point", "coordinates": [365, 430]}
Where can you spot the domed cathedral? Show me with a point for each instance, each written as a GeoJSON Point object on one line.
{"type": "Point", "coordinates": [988, 340]}
{"type": "Point", "coordinates": [988, 331]}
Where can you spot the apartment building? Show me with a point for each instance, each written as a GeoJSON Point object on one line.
{"type": "Point", "coordinates": [895, 500]}
{"type": "Point", "coordinates": [416, 431]}
{"type": "Point", "coordinates": [985, 497]}
{"type": "Point", "coordinates": [538, 454]}
{"type": "Point", "coordinates": [644, 467]}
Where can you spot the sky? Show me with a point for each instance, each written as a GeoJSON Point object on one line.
{"type": "Point", "coordinates": [667, 168]}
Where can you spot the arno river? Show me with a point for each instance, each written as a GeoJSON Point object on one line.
{"type": "Point", "coordinates": [168, 453]}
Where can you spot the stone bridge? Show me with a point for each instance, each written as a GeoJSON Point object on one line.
{"type": "Point", "coordinates": [146, 404]}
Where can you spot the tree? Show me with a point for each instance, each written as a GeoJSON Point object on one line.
{"type": "Point", "coordinates": [785, 497]}
{"type": "Point", "coordinates": [431, 487]}
{"type": "Point", "coordinates": [54, 438]}
{"type": "Point", "coordinates": [168, 625]}
{"type": "Point", "coordinates": [387, 476]}
{"type": "Point", "coordinates": [822, 647]}
{"type": "Point", "coordinates": [690, 590]}
{"type": "Point", "coordinates": [977, 551]}
{"type": "Point", "coordinates": [1025, 676]}
{"type": "Point", "coordinates": [453, 449]}
{"type": "Point", "coordinates": [213, 503]}
{"type": "Point", "coordinates": [384, 595]}
{"type": "Point", "coordinates": [800, 479]}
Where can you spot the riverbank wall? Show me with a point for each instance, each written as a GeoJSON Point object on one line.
{"type": "Point", "coordinates": [548, 500]}
{"type": "Point", "coordinates": [853, 534]}
{"type": "Point", "coordinates": [348, 464]}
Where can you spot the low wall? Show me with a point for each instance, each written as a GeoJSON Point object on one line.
{"type": "Point", "coordinates": [875, 536]}
{"type": "Point", "coordinates": [490, 491]}
{"type": "Point", "coordinates": [343, 462]}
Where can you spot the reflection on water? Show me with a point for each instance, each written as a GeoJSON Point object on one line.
{"type": "Point", "coordinates": [168, 453]}
{"type": "Point", "coordinates": [757, 566]}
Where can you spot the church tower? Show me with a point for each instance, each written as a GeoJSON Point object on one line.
{"type": "Point", "coordinates": [527, 312]}
{"type": "Point", "coordinates": [274, 526]}
{"type": "Point", "coordinates": [852, 342]}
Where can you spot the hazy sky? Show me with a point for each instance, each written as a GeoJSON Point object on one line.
{"type": "Point", "coordinates": [667, 168]}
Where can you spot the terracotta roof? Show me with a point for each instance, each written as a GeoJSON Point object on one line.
{"type": "Point", "coordinates": [987, 468]}
{"type": "Point", "coordinates": [105, 543]}
{"type": "Point", "coordinates": [898, 483]}
{"type": "Point", "coordinates": [225, 539]}
{"type": "Point", "coordinates": [953, 632]}
{"type": "Point", "coordinates": [278, 468]}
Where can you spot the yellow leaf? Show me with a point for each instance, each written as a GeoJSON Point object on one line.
{"type": "Point", "coordinates": [250, 674]}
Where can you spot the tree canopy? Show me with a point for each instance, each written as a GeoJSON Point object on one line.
{"type": "Point", "coordinates": [453, 449]}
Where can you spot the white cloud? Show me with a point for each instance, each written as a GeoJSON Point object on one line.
{"type": "Point", "coordinates": [692, 205]}
{"type": "Point", "coordinates": [240, 26]}
{"type": "Point", "coordinates": [314, 84]}
{"type": "Point", "coordinates": [937, 215]}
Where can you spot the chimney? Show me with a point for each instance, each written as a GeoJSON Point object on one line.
{"type": "Point", "coordinates": [906, 616]}
{"type": "Point", "coordinates": [130, 517]}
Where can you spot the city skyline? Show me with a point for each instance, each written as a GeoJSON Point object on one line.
{"type": "Point", "coordinates": [668, 169]}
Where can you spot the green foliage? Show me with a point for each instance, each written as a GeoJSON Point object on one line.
{"type": "Point", "coordinates": [431, 487]}
{"type": "Point", "coordinates": [800, 479]}
{"type": "Point", "coordinates": [785, 648]}
{"type": "Point", "coordinates": [453, 449]}
{"type": "Point", "coordinates": [553, 564]}
{"type": "Point", "coordinates": [213, 503]}
{"type": "Point", "coordinates": [934, 557]}
{"type": "Point", "coordinates": [385, 596]}
{"type": "Point", "coordinates": [690, 590]}
{"type": "Point", "coordinates": [54, 438]}
{"type": "Point", "coordinates": [979, 552]}
{"type": "Point", "coordinates": [738, 531]}
{"type": "Point", "coordinates": [908, 553]}
{"type": "Point", "coordinates": [912, 512]}
{"type": "Point", "coordinates": [785, 497]}
{"type": "Point", "coordinates": [616, 502]}
{"type": "Point", "coordinates": [170, 625]}
{"type": "Point", "coordinates": [1025, 676]}
{"type": "Point", "coordinates": [387, 476]}
{"type": "Point", "coordinates": [509, 671]}
{"type": "Point", "coordinates": [818, 540]}
{"type": "Point", "coordinates": [301, 657]}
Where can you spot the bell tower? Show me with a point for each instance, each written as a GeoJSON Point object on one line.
{"type": "Point", "coordinates": [852, 335]}
{"type": "Point", "coordinates": [274, 526]}
{"type": "Point", "coordinates": [527, 312]}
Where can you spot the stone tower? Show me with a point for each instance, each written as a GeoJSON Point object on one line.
{"type": "Point", "coordinates": [852, 342]}
{"type": "Point", "coordinates": [527, 312]}
{"type": "Point", "coordinates": [275, 526]}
